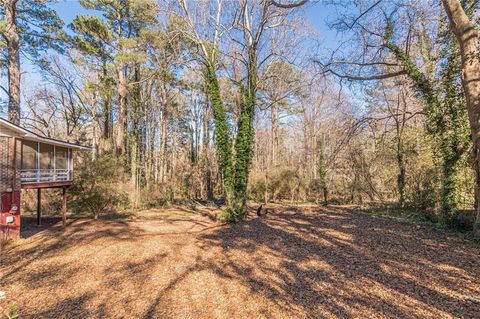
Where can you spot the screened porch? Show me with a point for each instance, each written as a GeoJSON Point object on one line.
{"type": "Point", "coordinates": [45, 163]}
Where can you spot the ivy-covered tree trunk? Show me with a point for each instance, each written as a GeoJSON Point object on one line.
{"type": "Point", "coordinates": [245, 136]}
{"type": "Point", "coordinates": [222, 132]}
{"type": "Point", "coordinates": [234, 170]}
{"type": "Point", "coordinates": [452, 134]}
{"type": "Point", "coordinates": [322, 168]}
{"type": "Point", "coordinates": [401, 172]}
{"type": "Point", "coordinates": [469, 39]}
{"type": "Point", "coordinates": [205, 154]}
{"type": "Point", "coordinates": [244, 150]}
{"type": "Point", "coordinates": [476, 226]}
{"type": "Point", "coordinates": [446, 113]}
{"type": "Point", "coordinates": [449, 200]}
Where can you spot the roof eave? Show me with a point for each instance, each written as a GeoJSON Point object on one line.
{"type": "Point", "coordinates": [26, 134]}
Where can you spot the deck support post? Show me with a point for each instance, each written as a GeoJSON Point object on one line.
{"type": "Point", "coordinates": [39, 206]}
{"type": "Point", "coordinates": [64, 206]}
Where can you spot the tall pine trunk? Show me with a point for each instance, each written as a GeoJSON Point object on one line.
{"type": "Point", "coordinates": [163, 132]}
{"type": "Point", "coordinates": [135, 135]}
{"type": "Point", "coordinates": [95, 143]}
{"type": "Point", "coordinates": [122, 101]}
{"type": "Point", "coordinates": [468, 38]}
{"type": "Point", "coordinates": [105, 140]}
{"type": "Point", "coordinates": [153, 122]}
{"type": "Point", "coordinates": [12, 38]}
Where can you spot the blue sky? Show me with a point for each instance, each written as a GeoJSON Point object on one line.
{"type": "Point", "coordinates": [69, 9]}
{"type": "Point", "coordinates": [316, 12]}
{"type": "Point", "coordinates": [319, 14]}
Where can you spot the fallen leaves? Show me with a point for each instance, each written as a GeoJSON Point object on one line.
{"type": "Point", "coordinates": [294, 263]}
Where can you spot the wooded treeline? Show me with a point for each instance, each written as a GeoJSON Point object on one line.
{"type": "Point", "coordinates": [239, 100]}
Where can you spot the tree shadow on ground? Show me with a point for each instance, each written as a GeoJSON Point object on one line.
{"type": "Point", "coordinates": [57, 239]}
{"type": "Point", "coordinates": [340, 263]}
{"type": "Point", "coordinates": [306, 262]}
{"type": "Point", "coordinates": [30, 228]}
{"type": "Point", "coordinates": [70, 308]}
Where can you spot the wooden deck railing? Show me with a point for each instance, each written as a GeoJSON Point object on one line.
{"type": "Point", "coordinates": [32, 176]}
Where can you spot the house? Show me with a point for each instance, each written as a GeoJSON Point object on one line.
{"type": "Point", "coordinates": [30, 161]}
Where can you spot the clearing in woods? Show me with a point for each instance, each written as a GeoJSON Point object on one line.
{"type": "Point", "coordinates": [300, 262]}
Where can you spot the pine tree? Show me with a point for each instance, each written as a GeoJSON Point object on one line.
{"type": "Point", "coordinates": [32, 27]}
{"type": "Point", "coordinates": [115, 38]}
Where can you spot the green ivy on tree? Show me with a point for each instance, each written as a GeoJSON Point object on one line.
{"type": "Point", "coordinates": [446, 115]}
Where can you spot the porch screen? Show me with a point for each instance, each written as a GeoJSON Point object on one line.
{"type": "Point", "coordinates": [29, 155]}
{"type": "Point", "coordinates": [5, 166]}
{"type": "Point", "coordinates": [61, 158]}
{"type": "Point", "coordinates": [46, 156]}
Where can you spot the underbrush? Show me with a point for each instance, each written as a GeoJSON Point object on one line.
{"type": "Point", "coordinates": [98, 187]}
{"type": "Point", "coordinates": [462, 226]}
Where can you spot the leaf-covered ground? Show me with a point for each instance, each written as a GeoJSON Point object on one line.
{"type": "Point", "coordinates": [298, 262]}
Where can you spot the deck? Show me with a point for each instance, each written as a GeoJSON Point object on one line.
{"type": "Point", "coordinates": [40, 178]}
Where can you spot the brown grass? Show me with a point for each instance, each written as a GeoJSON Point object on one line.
{"type": "Point", "coordinates": [300, 262]}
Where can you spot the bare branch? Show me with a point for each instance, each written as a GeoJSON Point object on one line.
{"type": "Point", "coordinates": [364, 78]}
{"type": "Point", "coordinates": [289, 6]}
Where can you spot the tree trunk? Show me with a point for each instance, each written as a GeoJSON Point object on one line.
{"type": "Point", "coordinates": [274, 128]}
{"type": "Point", "coordinates": [12, 38]}
{"type": "Point", "coordinates": [151, 148]}
{"type": "Point", "coordinates": [468, 38]}
{"type": "Point", "coordinates": [325, 195]}
{"type": "Point", "coordinates": [163, 147]}
{"type": "Point", "coordinates": [122, 97]}
{"type": "Point", "coordinates": [322, 167]}
{"type": "Point", "coordinates": [106, 142]}
{"type": "Point", "coordinates": [95, 149]}
{"type": "Point", "coordinates": [245, 135]}
{"type": "Point", "coordinates": [401, 172]}
{"type": "Point", "coordinates": [164, 127]}
{"type": "Point", "coordinates": [222, 132]}
{"type": "Point", "coordinates": [265, 195]}
{"type": "Point", "coordinates": [206, 147]}
{"type": "Point", "coordinates": [135, 134]}
{"type": "Point", "coordinates": [449, 201]}
{"type": "Point", "coordinates": [244, 145]}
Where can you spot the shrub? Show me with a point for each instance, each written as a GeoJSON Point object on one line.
{"type": "Point", "coordinates": [96, 188]}
{"type": "Point", "coordinates": [318, 190]}
{"type": "Point", "coordinates": [155, 196]}
{"type": "Point", "coordinates": [423, 194]}
{"type": "Point", "coordinates": [257, 187]}
{"type": "Point", "coordinates": [282, 184]}
{"type": "Point", "coordinates": [464, 220]}
{"type": "Point", "coordinates": [233, 214]}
